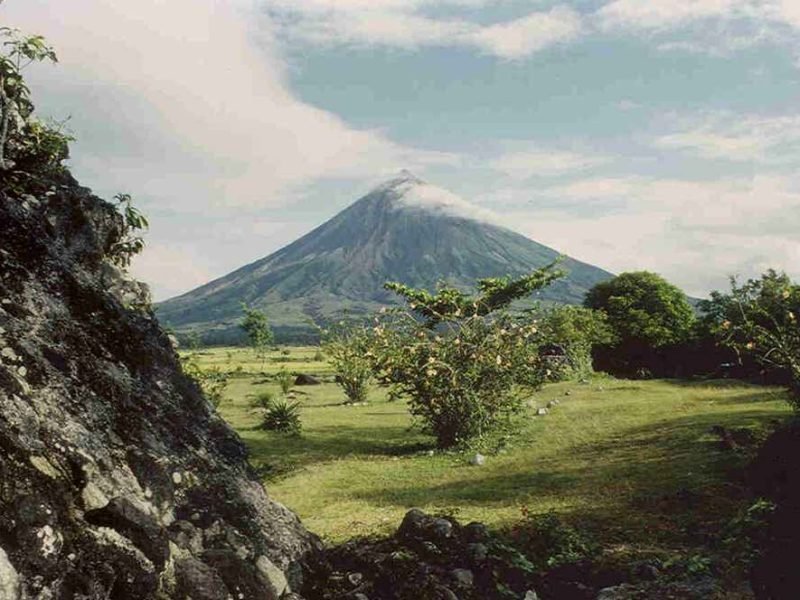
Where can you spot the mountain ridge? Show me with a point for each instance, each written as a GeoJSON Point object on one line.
{"type": "Point", "coordinates": [403, 230]}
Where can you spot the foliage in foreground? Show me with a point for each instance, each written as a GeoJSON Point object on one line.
{"type": "Point", "coordinates": [462, 362]}
{"type": "Point", "coordinates": [760, 319]}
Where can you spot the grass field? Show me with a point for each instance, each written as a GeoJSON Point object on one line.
{"type": "Point", "coordinates": [633, 461]}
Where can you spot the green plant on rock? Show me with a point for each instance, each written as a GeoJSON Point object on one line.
{"type": "Point", "coordinates": [463, 362]}
{"type": "Point", "coordinates": [282, 416]}
{"type": "Point", "coordinates": [211, 381]}
{"type": "Point", "coordinates": [18, 132]}
{"type": "Point", "coordinates": [130, 242]}
{"type": "Point", "coordinates": [349, 351]}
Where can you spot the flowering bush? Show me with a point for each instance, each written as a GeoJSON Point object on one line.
{"type": "Point", "coordinates": [462, 362]}
{"type": "Point", "coordinates": [760, 319]}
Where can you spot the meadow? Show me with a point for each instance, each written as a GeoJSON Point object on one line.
{"type": "Point", "coordinates": [634, 462]}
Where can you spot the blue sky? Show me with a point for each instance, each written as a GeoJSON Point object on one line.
{"type": "Point", "coordinates": [633, 134]}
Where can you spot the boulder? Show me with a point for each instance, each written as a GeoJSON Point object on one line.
{"type": "Point", "coordinates": [117, 477]}
{"type": "Point", "coordinates": [304, 379]}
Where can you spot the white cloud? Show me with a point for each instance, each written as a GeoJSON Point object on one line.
{"type": "Point", "coordinates": [394, 24]}
{"type": "Point", "coordinates": [527, 35]}
{"type": "Point", "coordinates": [696, 233]}
{"type": "Point", "coordinates": [419, 195]}
{"type": "Point", "coordinates": [185, 104]}
{"type": "Point", "coordinates": [660, 14]}
{"type": "Point", "coordinates": [198, 95]}
{"type": "Point", "coordinates": [772, 140]}
{"type": "Point", "coordinates": [539, 161]}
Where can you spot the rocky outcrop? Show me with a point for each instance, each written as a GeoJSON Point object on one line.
{"type": "Point", "coordinates": [429, 558]}
{"type": "Point", "coordinates": [117, 478]}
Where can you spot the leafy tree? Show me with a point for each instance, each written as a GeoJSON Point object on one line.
{"type": "Point", "coordinates": [18, 52]}
{"type": "Point", "coordinates": [759, 319]}
{"type": "Point", "coordinates": [349, 350]}
{"type": "Point", "coordinates": [574, 330]}
{"type": "Point", "coordinates": [259, 333]}
{"type": "Point", "coordinates": [646, 313]}
{"type": "Point", "coordinates": [461, 361]}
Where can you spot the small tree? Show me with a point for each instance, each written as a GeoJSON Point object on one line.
{"type": "Point", "coordinates": [18, 52]}
{"type": "Point", "coordinates": [349, 350]}
{"type": "Point", "coordinates": [259, 333]}
{"type": "Point", "coordinates": [760, 319]}
{"type": "Point", "coordinates": [462, 361]}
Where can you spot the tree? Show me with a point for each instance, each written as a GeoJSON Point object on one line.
{"type": "Point", "coordinates": [647, 314]}
{"type": "Point", "coordinates": [18, 52]}
{"type": "Point", "coordinates": [759, 319]}
{"type": "Point", "coordinates": [259, 333]}
{"type": "Point", "coordinates": [462, 361]}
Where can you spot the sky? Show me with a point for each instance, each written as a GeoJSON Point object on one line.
{"type": "Point", "coordinates": [632, 134]}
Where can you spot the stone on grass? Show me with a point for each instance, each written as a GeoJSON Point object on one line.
{"type": "Point", "coordinates": [305, 379]}
{"type": "Point", "coordinates": [478, 460]}
{"type": "Point", "coordinates": [541, 412]}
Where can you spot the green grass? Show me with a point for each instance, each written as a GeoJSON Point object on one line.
{"type": "Point", "coordinates": [301, 359]}
{"type": "Point", "coordinates": [632, 461]}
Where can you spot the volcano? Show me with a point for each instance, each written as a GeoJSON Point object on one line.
{"type": "Point", "coordinates": [405, 230]}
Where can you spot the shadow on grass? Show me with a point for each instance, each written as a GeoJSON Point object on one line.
{"type": "Point", "coordinates": [668, 482]}
{"type": "Point", "coordinates": [333, 442]}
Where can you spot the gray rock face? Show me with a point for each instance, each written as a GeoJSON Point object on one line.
{"type": "Point", "coordinates": [117, 478]}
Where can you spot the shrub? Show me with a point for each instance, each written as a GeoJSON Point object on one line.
{"type": "Point", "coordinates": [462, 362]}
{"type": "Point", "coordinates": [574, 331]}
{"type": "Point", "coordinates": [349, 350]}
{"type": "Point", "coordinates": [284, 379]}
{"type": "Point", "coordinates": [282, 416]}
{"type": "Point", "coordinates": [263, 399]}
